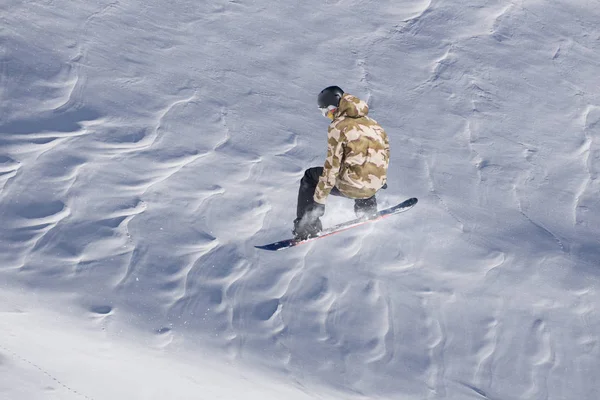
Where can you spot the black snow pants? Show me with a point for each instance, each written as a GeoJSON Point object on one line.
{"type": "Point", "coordinates": [308, 185]}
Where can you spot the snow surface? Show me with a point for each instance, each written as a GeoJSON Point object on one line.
{"type": "Point", "coordinates": [146, 147]}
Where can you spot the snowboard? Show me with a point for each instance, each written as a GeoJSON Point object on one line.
{"type": "Point", "coordinates": [284, 244]}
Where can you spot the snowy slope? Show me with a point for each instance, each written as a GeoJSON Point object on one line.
{"type": "Point", "coordinates": [146, 147]}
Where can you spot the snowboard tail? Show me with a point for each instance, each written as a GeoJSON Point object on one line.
{"type": "Point", "coordinates": [284, 244]}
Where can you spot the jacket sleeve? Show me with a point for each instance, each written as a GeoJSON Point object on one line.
{"type": "Point", "coordinates": [333, 162]}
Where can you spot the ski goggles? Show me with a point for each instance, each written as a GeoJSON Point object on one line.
{"type": "Point", "coordinates": [328, 111]}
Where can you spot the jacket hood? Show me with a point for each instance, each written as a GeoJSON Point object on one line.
{"type": "Point", "coordinates": [351, 106]}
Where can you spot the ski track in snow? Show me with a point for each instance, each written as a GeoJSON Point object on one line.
{"type": "Point", "coordinates": [24, 366]}
{"type": "Point", "coordinates": [146, 148]}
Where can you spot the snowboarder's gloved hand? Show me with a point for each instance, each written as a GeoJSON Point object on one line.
{"type": "Point", "coordinates": [310, 224]}
{"type": "Point", "coordinates": [315, 211]}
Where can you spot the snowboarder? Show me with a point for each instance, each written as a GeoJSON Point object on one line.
{"type": "Point", "coordinates": [358, 155]}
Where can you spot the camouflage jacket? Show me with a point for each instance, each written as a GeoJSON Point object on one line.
{"type": "Point", "coordinates": [358, 153]}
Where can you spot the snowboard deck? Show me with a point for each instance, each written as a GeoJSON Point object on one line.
{"type": "Point", "coordinates": [344, 226]}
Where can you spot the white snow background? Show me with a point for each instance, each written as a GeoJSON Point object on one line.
{"type": "Point", "coordinates": [147, 146]}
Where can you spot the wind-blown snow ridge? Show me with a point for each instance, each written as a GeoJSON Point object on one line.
{"type": "Point", "coordinates": [8, 170]}
{"type": "Point", "coordinates": [590, 152]}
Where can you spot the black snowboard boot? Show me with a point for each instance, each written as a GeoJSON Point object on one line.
{"type": "Point", "coordinates": [304, 229]}
{"type": "Point", "coordinates": [365, 208]}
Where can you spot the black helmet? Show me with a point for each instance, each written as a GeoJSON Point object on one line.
{"type": "Point", "coordinates": [330, 96]}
